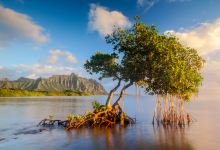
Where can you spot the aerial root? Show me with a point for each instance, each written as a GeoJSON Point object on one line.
{"type": "Point", "coordinates": [172, 118]}
{"type": "Point", "coordinates": [169, 111]}
{"type": "Point", "coordinates": [103, 117]}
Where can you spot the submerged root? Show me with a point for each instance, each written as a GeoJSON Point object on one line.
{"type": "Point", "coordinates": [171, 113]}
{"type": "Point", "coordinates": [171, 118]}
{"type": "Point", "coordinates": [50, 122]}
{"type": "Point", "coordinates": [102, 117]}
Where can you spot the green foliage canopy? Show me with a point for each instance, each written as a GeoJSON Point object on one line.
{"type": "Point", "coordinates": [157, 62]}
{"type": "Point", "coordinates": [176, 70]}
{"type": "Point", "coordinates": [136, 46]}
{"type": "Point", "coordinates": [103, 64]}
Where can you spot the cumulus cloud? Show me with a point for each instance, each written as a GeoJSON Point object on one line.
{"type": "Point", "coordinates": [56, 54]}
{"type": "Point", "coordinates": [58, 62]}
{"type": "Point", "coordinates": [205, 37]}
{"type": "Point", "coordinates": [15, 26]}
{"type": "Point", "coordinates": [34, 71]}
{"type": "Point", "coordinates": [104, 21]}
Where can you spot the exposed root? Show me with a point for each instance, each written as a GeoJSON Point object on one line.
{"type": "Point", "coordinates": [100, 117]}
{"type": "Point", "coordinates": [50, 122]}
{"type": "Point", "coordinates": [172, 113]}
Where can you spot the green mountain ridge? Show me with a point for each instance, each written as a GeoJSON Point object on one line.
{"type": "Point", "coordinates": [55, 83]}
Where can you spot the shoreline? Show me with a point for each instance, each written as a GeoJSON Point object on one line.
{"type": "Point", "coordinates": [29, 93]}
{"type": "Point", "coordinates": [48, 96]}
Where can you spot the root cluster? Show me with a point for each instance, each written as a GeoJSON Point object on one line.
{"type": "Point", "coordinates": [169, 110]}
{"type": "Point", "coordinates": [101, 117]}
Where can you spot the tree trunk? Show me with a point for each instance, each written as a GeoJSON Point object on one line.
{"type": "Point", "coordinates": [111, 94]}
{"type": "Point", "coordinates": [116, 104]}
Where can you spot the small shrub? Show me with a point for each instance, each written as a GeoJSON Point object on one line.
{"type": "Point", "coordinates": [96, 105]}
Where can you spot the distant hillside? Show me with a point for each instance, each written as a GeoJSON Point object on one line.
{"type": "Point", "coordinates": [15, 93]}
{"type": "Point", "coordinates": [56, 83]}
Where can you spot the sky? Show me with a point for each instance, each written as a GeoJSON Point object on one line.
{"type": "Point", "coordinates": [40, 38]}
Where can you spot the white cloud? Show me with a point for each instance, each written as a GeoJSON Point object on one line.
{"type": "Point", "coordinates": [205, 37]}
{"type": "Point", "coordinates": [40, 70]}
{"type": "Point", "coordinates": [212, 74]}
{"type": "Point", "coordinates": [56, 54]}
{"type": "Point", "coordinates": [15, 26]}
{"type": "Point", "coordinates": [103, 20]}
{"type": "Point", "coordinates": [211, 83]}
{"type": "Point", "coordinates": [58, 62]}
{"type": "Point", "coordinates": [147, 4]}
{"type": "Point", "coordinates": [34, 71]}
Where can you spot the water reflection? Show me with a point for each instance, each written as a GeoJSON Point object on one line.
{"type": "Point", "coordinates": [97, 138]}
{"type": "Point", "coordinates": [129, 138]}
{"type": "Point", "coordinates": [22, 116]}
{"type": "Point", "coordinates": [167, 137]}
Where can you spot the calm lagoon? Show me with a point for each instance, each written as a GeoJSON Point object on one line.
{"type": "Point", "coordinates": [19, 117]}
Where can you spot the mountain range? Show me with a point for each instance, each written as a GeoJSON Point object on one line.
{"type": "Point", "coordinates": [57, 83]}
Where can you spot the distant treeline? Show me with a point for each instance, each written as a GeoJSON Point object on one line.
{"type": "Point", "coordinates": [16, 92]}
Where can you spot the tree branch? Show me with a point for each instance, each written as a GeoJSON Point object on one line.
{"type": "Point", "coordinates": [111, 93]}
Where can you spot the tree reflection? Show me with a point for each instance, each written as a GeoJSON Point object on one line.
{"type": "Point", "coordinates": [167, 137]}
{"type": "Point", "coordinates": [129, 138]}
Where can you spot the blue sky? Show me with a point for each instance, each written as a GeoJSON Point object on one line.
{"type": "Point", "coordinates": [45, 37]}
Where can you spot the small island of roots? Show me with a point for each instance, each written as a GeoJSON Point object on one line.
{"type": "Point", "coordinates": [100, 117]}
{"type": "Point", "coordinates": [157, 63]}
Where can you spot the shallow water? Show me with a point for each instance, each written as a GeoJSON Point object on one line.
{"type": "Point", "coordinates": [19, 117]}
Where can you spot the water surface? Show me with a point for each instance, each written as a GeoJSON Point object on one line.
{"type": "Point", "coordinates": [19, 117]}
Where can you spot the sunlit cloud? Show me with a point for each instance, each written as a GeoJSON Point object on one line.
{"type": "Point", "coordinates": [56, 54]}
{"type": "Point", "coordinates": [58, 62]}
{"type": "Point", "coordinates": [104, 21]}
{"type": "Point", "coordinates": [211, 83]}
{"type": "Point", "coordinates": [205, 37]}
{"type": "Point", "coordinates": [40, 70]}
{"type": "Point", "coordinates": [15, 26]}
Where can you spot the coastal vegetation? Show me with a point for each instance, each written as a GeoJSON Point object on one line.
{"type": "Point", "coordinates": [17, 93]}
{"type": "Point", "coordinates": [156, 62]}
{"type": "Point", "coordinates": [100, 117]}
